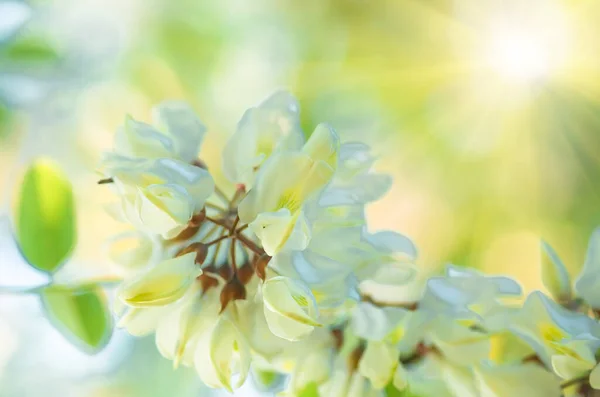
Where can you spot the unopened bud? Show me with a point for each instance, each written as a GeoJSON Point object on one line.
{"type": "Point", "coordinates": [200, 249]}
{"type": "Point", "coordinates": [338, 337]}
{"type": "Point", "coordinates": [225, 271]}
{"type": "Point", "coordinates": [198, 218]}
{"type": "Point", "coordinates": [199, 163]}
{"type": "Point", "coordinates": [206, 279]}
{"type": "Point", "coordinates": [260, 265]}
{"type": "Point", "coordinates": [186, 234]}
{"type": "Point", "coordinates": [355, 357]}
{"type": "Point", "coordinates": [245, 273]}
{"type": "Point", "coordinates": [233, 290]}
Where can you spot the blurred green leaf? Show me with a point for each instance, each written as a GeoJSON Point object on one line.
{"type": "Point", "coordinates": [266, 379]}
{"type": "Point", "coordinates": [80, 314]}
{"type": "Point", "coordinates": [310, 391]}
{"type": "Point", "coordinates": [29, 49]}
{"type": "Point", "coordinates": [391, 391]}
{"type": "Point", "coordinates": [45, 216]}
{"type": "Point", "coordinates": [5, 121]}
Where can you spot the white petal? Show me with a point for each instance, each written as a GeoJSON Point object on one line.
{"type": "Point", "coordinates": [378, 363]}
{"type": "Point", "coordinates": [142, 321]}
{"type": "Point", "coordinates": [588, 282]}
{"type": "Point", "coordinates": [137, 139]}
{"type": "Point", "coordinates": [528, 380]}
{"type": "Point", "coordinates": [570, 367]}
{"type": "Point", "coordinates": [554, 274]}
{"type": "Point", "coordinates": [179, 121]}
{"type": "Point", "coordinates": [374, 323]}
{"type": "Point", "coordinates": [400, 380]}
{"type": "Point", "coordinates": [323, 145]}
{"type": "Point", "coordinates": [162, 284]}
{"type": "Point", "coordinates": [290, 307]}
{"type": "Point", "coordinates": [595, 377]}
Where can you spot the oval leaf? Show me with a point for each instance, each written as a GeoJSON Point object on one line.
{"type": "Point", "coordinates": [266, 379]}
{"type": "Point", "coordinates": [45, 216]}
{"type": "Point", "coordinates": [312, 390]}
{"type": "Point", "coordinates": [80, 314]}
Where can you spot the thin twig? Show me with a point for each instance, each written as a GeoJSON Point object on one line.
{"type": "Point", "coordinates": [218, 221]}
{"type": "Point", "coordinates": [250, 244]}
{"type": "Point", "coordinates": [222, 196]}
{"type": "Point", "coordinates": [219, 239]}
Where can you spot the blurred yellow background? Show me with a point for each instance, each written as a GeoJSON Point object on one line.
{"type": "Point", "coordinates": [485, 112]}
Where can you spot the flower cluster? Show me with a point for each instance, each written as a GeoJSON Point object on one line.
{"type": "Point", "coordinates": [262, 269]}
{"type": "Point", "coordinates": [274, 269]}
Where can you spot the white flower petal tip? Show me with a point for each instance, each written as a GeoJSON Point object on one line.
{"type": "Point", "coordinates": [555, 275]}
{"type": "Point", "coordinates": [162, 284]}
{"type": "Point", "coordinates": [290, 308]}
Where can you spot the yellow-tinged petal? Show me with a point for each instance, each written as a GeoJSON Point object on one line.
{"type": "Point", "coordinates": [290, 307]}
{"type": "Point", "coordinates": [222, 353]}
{"type": "Point", "coordinates": [280, 229]}
{"type": "Point", "coordinates": [323, 145]}
{"type": "Point", "coordinates": [529, 380]}
{"type": "Point", "coordinates": [400, 380]}
{"type": "Point", "coordinates": [162, 284]}
{"type": "Point", "coordinates": [378, 363]}
{"type": "Point", "coordinates": [595, 377]}
{"type": "Point", "coordinates": [142, 321]}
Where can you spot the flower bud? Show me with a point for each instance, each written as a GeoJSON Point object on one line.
{"type": "Point", "coordinates": [200, 249]}
{"type": "Point", "coordinates": [225, 272]}
{"type": "Point", "coordinates": [207, 280]}
{"type": "Point", "coordinates": [260, 265]}
{"type": "Point", "coordinates": [245, 273]}
{"type": "Point", "coordinates": [232, 291]}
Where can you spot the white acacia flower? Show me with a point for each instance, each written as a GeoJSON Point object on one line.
{"type": "Point", "coordinates": [378, 363]}
{"type": "Point", "coordinates": [467, 294]}
{"type": "Point", "coordinates": [587, 284]}
{"type": "Point", "coordinates": [159, 196]}
{"type": "Point", "coordinates": [271, 126]}
{"type": "Point", "coordinates": [519, 380]}
{"type": "Point", "coordinates": [354, 182]}
{"type": "Point", "coordinates": [555, 275]}
{"type": "Point", "coordinates": [344, 384]}
{"type": "Point", "coordinates": [290, 308]}
{"type": "Point", "coordinates": [458, 344]}
{"type": "Point", "coordinates": [178, 134]}
{"type": "Point", "coordinates": [221, 353]}
{"type": "Point", "coordinates": [264, 270]}
{"type": "Point", "coordinates": [376, 323]}
{"type": "Point", "coordinates": [134, 250]}
{"type": "Point", "coordinates": [565, 341]}
{"type": "Point", "coordinates": [313, 366]}
{"type": "Point", "coordinates": [273, 207]}
{"type": "Point", "coordinates": [195, 315]}
{"type": "Point", "coordinates": [162, 284]}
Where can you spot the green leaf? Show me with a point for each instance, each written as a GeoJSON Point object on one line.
{"type": "Point", "coordinates": [45, 217]}
{"type": "Point", "coordinates": [266, 379]}
{"type": "Point", "coordinates": [391, 391]}
{"type": "Point", "coordinates": [29, 49]}
{"type": "Point", "coordinates": [80, 314]}
{"type": "Point", "coordinates": [312, 390]}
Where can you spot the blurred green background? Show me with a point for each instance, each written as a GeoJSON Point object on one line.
{"type": "Point", "coordinates": [485, 112]}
